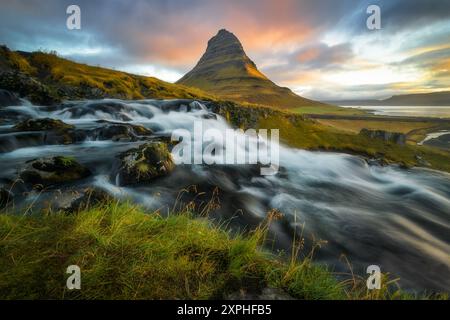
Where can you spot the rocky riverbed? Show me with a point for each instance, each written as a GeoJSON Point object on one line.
{"type": "Point", "coordinates": [78, 153]}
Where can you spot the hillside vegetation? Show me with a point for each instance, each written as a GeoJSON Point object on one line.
{"type": "Point", "coordinates": [46, 78]}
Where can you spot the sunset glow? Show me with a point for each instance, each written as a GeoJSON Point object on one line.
{"type": "Point", "coordinates": [322, 47]}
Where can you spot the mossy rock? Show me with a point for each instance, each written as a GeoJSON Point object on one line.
{"type": "Point", "coordinates": [43, 125]}
{"type": "Point", "coordinates": [28, 87]}
{"type": "Point", "coordinates": [143, 164]}
{"type": "Point", "coordinates": [56, 170]}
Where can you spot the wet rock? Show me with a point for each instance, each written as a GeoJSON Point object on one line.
{"type": "Point", "coordinates": [45, 131]}
{"type": "Point", "coordinates": [91, 197]}
{"type": "Point", "coordinates": [72, 201]}
{"type": "Point", "coordinates": [12, 141]}
{"type": "Point", "coordinates": [42, 125]}
{"type": "Point", "coordinates": [5, 197]}
{"type": "Point", "coordinates": [380, 161]}
{"type": "Point", "coordinates": [119, 132]}
{"type": "Point", "coordinates": [149, 161]}
{"type": "Point", "coordinates": [393, 137]}
{"type": "Point", "coordinates": [210, 116]}
{"type": "Point", "coordinates": [8, 98]}
{"type": "Point", "coordinates": [50, 171]}
{"type": "Point", "coordinates": [181, 105]}
{"type": "Point", "coordinates": [116, 109]}
{"type": "Point", "coordinates": [11, 116]}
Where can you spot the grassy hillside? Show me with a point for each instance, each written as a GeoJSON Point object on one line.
{"type": "Point", "coordinates": [126, 253]}
{"type": "Point", "coordinates": [60, 78]}
{"type": "Point", "coordinates": [226, 71]}
{"type": "Point", "coordinates": [301, 132]}
{"type": "Point", "coordinates": [314, 136]}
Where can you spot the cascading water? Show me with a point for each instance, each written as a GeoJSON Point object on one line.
{"type": "Point", "coordinates": [396, 218]}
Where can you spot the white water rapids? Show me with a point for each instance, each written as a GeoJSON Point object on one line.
{"type": "Point", "coordinates": [396, 218]}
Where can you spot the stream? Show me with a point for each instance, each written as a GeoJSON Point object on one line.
{"type": "Point", "coordinates": [396, 218]}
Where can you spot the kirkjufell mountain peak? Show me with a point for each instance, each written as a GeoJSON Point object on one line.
{"type": "Point", "coordinates": [226, 71]}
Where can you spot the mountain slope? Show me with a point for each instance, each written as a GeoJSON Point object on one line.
{"type": "Point", "coordinates": [424, 99]}
{"type": "Point", "coordinates": [45, 78]}
{"type": "Point", "coordinates": [226, 71]}
{"type": "Point", "coordinates": [418, 99]}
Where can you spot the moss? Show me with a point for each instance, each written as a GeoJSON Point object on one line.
{"type": "Point", "coordinates": [149, 161]}
{"type": "Point", "coordinates": [42, 125]}
{"type": "Point", "coordinates": [56, 170]}
{"type": "Point", "coordinates": [65, 162]}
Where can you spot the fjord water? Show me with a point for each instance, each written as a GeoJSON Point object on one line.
{"type": "Point", "coordinates": [396, 218]}
{"type": "Point", "coordinates": [407, 111]}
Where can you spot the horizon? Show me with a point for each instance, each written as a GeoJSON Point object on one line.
{"type": "Point", "coordinates": [320, 50]}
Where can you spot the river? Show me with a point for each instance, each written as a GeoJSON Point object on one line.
{"type": "Point", "coordinates": [398, 219]}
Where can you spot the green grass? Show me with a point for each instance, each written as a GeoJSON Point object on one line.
{"type": "Point", "coordinates": [329, 109]}
{"type": "Point", "coordinates": [391, 125]}
{"type": "Point", "coordinates": [311, 135]}
{"type": "Point", "coordinates": [127, 253]}
{"type": "Point", "coordinates": [66, 79]}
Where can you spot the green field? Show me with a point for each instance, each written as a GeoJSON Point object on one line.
{"type": "Point", "coordinates": [329, 109]}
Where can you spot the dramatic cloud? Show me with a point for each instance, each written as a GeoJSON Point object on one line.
{"type": "Point", "coordinates": [320, 48]}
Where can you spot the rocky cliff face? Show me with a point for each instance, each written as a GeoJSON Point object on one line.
{"type": "Point", "coordinates": [225, 70]}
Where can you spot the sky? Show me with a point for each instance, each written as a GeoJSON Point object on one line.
{"type": "Point", "coordinates": [321, 49]}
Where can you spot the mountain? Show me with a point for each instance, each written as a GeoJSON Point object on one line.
{"type": "Point", "coordinates": [45, 78]}
{"type": "Point", "coordinates": [419, 99]}
{"type": "Point", "coordinates": [226, 71]}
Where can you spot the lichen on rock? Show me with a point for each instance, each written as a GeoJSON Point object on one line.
{"type": "Point", "coordinates": [145, 163]}
{"type": "Point", "coordinates": [42, 124]}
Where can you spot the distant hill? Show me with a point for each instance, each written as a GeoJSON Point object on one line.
{"type": "Point", "coordinates": [46, 78]}
{"type": "Point", "coordinates": [420, 99]}
{"type": "Point", "coordinates": [226, 71]}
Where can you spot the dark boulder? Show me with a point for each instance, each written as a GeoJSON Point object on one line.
{"type": "Point", "coordinates": [42, 125]}
{"type": "Point", "coordinates": [74, 200]}
{"type": "Point", "coordinates": [181, 105]}
{"type": "Point", "coordinates": [149, 161]}
{"type": "Point", "coordinates": [116, 109]}
{"type": "Point", "coordinates": [50, 171]}
{"type": "Point", "coordinates": [8, 98]}
{"type": "Point", "coordinates": [52, 131]}
{"type": "Point", "coordinates": [386, 136]}
{"type": "Point", "coordinates": [90, 197]}
{"type": "Point", "coordinates": [16, 140]}
{"type": "Point", "coordinates": [119, 132]}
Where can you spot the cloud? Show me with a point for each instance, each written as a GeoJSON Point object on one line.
{"type": "Point", "coordinates": [298, 43]}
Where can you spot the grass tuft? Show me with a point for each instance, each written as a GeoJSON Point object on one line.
{"type": "Point", "coordinates": [127, 253]}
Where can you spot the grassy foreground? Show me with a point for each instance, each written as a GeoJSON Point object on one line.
{"type": "Point", "coordinates": [125, 253]}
